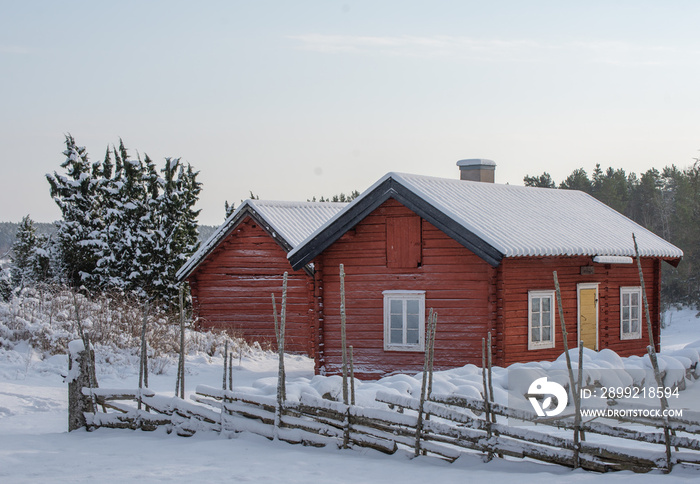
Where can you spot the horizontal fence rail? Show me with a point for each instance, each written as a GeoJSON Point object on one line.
{"type": "Point", "coordinates": [451, 427]}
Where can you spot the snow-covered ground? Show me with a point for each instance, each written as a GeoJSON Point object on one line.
{"type": "Point", "coordinates": [36, 447]}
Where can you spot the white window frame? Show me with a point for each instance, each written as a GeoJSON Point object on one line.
{"type": "Point", "coordinates": [537, 345]}
{"type": "Point", "coordinates": [404, 296]}
{"type": "Point", "coordinates": [631, 334]}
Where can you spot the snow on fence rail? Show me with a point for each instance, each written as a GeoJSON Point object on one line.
{"type": "Point", "coordinates": [451, 426]}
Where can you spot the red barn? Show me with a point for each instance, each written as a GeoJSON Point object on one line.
{"type": "Point", "coordinates": [234, 273]}
{"type": "Point", "coordinates": [481, 255]}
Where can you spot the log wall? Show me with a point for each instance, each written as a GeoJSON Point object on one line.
{"type": "Point", "coordinates": [232, 290]}
{"type": "Point", "coordinates": [457, 285]}
{"type": "Point", "coordinates": [520, 275]}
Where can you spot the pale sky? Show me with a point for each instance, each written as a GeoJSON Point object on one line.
{"type": "Point", "coordinates": [292, 99]}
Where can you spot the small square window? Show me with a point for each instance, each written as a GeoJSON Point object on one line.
{"type": "Point", "coordinates": [630, 313]}
{"type": "Point", "coordinates": [540, 320]}
{"type": "Point", "coordinates": [404, 320]}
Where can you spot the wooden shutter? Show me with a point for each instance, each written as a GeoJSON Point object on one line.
{"type": "Point", "coordinates": [403, 242]}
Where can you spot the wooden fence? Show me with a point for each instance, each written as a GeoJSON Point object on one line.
{"type": "Point", "coordinates": [451, 427]}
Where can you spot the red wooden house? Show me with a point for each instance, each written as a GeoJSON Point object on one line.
{"type": "Point", "coordinates": [482, 255]}
{"type": "Point", "coordinates": [234, 273]}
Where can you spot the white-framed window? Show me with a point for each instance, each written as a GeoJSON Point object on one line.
{"type": "Point", "coordinates": [540, 326]}
{"type": "Point", "coordinates": [630, 312]}
{"type": "Point", "coordinates": [404, 320]}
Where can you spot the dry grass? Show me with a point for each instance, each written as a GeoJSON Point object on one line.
{"type": "Point", "coordinates": [47, 317]}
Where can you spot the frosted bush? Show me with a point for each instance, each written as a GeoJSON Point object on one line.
{"type": "Point", "coordinates": [47, 317]}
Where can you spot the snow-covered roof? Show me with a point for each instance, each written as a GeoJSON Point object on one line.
{"type": "Point", "coordinates": [476, 162]}
{"type": "Point", "coordinates": [288, 222]}
{"type": "Point", "coordinates": [497, 221]}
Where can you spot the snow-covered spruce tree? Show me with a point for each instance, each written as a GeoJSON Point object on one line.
{"type": "Point", "coordinates": [108, 190]}
{"type": "Point", "coordinates": [22, 269]}
{"type": "Point", "coordinates": [143, 226]}
{"type": "Point", "coordinates": [228, 209]}
{"type": "Point", "coordinates": [175, 238]}
{"type": "Point", "coordinates": [124, 213]}
{"type": "Point", "coordinates": [5, 284]}
{"type": "Point", "coordinates": [30, 256]}
{"type": "Point", "coordinates": [77, 196]}
{"type": "Point", "coordinates": [144, 266]}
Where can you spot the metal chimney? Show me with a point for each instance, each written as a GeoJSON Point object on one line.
{"type": "Point", "coordinates": [477, 169]}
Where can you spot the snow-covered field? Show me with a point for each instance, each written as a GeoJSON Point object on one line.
{"type": "Point", "coordinates": [36, 447]}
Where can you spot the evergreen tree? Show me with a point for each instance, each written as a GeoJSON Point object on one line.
{"type": "Point", "coordinates": [51, 268]}
{"type": "Point", "coordinates": [5, 284]}
{"type": "Point", "coordinates": [578, 180]}
{"type": "Point", "coordinates": [30, 256]}
{"type": "Point", "coordinates": [23, 250]}
{"type": "Point", "coordinates": [108, 189]}
{"type": "Point", "coordinates": [342, 197]}
{"type": "Point", "coordinates": [229, 209]}
{"type": "Point", "coordinates": [597, 177]}
{"type": "Point", "coordinates": [149, 227]}
{"type": "Point", "coordinates": [128, 219]}
{"type": "Point", "coordinates": [345, 198]}
{"type": "Point", "coordinates": [176, 238]}
{"type": "Point", "coordinates": [76, 194]}
{"type": "Point", "coordinates": [542, 181]}
{"type": "Point", "coordinates": [646, 201]}
{"type": "Point", "coordinates": [611, 187]}
{"type": "Point", "coordinates": [137, 229]}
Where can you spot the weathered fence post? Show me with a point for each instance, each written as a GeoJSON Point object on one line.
{"type": "Point", "coordinates": [223, 385]}
{"type": "Point", "coordinates": [281, 389]}
{"type": "Point", "coordinates": [230, 370]}
{"type": "Point", "coordinates": [181, 362]}
{"type": "Point", "coordinates": [344, 352]}
{"type": "Point", "coordinates": [574, 391]}
{"type": "Point", "coordinates": [489, 362]}
{"type": "Point", "coordinates": [651, 349]}
{"type": "Point", "coordinates": [143, 362]}
{"type": "Point", "coordinates": [342, 334]}
{"type": "Point", "coordinates": [487, 400]}
{"type": "Point", "coordinates": [352, 378]}
{"type": "Point", "coordinates": [433, 329]}
{"type": "Point", "coordinates": [81, 364]}
{"type": "Point", "coordinates": [424, 384]}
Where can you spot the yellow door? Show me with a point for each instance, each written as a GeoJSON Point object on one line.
{"type": "Point", "coordinates": [588, 318]}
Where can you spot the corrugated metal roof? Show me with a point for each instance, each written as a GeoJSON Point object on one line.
{"type": "Point", "coordinates": [291, 222]}
{"type": "Point", "coordinates": [525, 221]}
{"type": "Point", "coordinates": [294, 221]}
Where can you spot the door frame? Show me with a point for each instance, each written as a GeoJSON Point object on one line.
{"type": "Point", "coordinates": [579, 287]}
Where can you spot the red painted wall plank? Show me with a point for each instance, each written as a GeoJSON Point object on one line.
{"type": "Point", "coordinates": [232, 290]}
{"type": "Point", "coordinates": [471, 299]}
